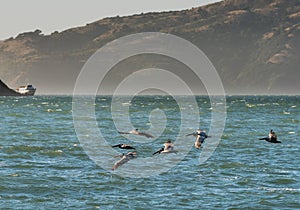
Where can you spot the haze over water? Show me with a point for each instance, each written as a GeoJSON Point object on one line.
{"type": "Point", "coordinates": [43, 165]}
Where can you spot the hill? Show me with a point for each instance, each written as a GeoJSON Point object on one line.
{"type": "Point", "coordinates": [253, 44]}
{"type": "Point", "coordinates": [6, 91]}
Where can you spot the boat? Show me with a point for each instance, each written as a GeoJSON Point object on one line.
{"type": "Point", "coordinates": [28, 90]}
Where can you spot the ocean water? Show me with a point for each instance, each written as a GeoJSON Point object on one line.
{"type": "Point", "coordinates": [43, 165]}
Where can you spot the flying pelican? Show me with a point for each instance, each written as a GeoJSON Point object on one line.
{"type": "Point", "coordinates": [124, 159]}
{"type": "Point", "coordinates": [124, 146]}
{"type": "Point", "coordinates": [137, 132]}
{"type": "Point", "coordinates": [200, 137]}
{"type": "Point", "coordinates": [272, 138]}
{"type": "Point", "coordinates": [168, 148]}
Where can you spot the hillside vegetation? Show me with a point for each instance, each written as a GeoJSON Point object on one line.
{"type": "Point", "coordinates": [253, 44]}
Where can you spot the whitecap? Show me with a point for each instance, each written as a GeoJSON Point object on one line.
{"type": "Point", "coordinates": [250, 105]}
{"type": "Point", "coordinates": [273, 189]}
{"type": "Point", "coordinates": [126, 104]}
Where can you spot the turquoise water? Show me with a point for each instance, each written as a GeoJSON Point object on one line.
{"type": "Point", "coordinates": [43, 165]}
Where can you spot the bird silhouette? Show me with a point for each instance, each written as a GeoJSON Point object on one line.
{"type": "Point", "coordinates": [123, 146]}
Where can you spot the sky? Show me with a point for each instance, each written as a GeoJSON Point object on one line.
{"type": "Point", "coordinates": [58, 15]}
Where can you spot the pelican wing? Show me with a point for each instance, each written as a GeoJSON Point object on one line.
{"type": "Point", "coordinates": [168, 151]}
{"type": "Point", "coordinates": [124, 159]}
{"type": "Point", "coordinates": [117, 145]}
{"type": "Point", "coordinates": [158, 151]}
{"type": "Point", "coordinates": [146, 134]}
{"type": "Point", "coordinates": [191, 134]}
{"type": "Point", "coordinates": [125, 146]}
{"type": "Point", "coordinates": [121, 132]}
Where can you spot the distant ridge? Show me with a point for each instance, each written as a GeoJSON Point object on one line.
{"type": "Point", "coordinates": [6, 91]}
{"type": "Point", "coordinates": [254, 45]}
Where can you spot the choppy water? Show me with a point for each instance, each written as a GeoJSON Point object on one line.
{"type": "Point", "coordinates": [43, 166]}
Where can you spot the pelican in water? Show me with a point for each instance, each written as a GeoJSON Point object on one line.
{"type": "Point", "coordinates": [137, 132]}
{"type": "Point", "coordinates": [124, 159]}
{"type": "Point", "coordinates": [123, 146]}
{"type": "Point", "coordinates": [168, 148]}
{"type": "Point", "coordinates": [272, 138]}
{"type": "Point", "coordinates": [200, 137]}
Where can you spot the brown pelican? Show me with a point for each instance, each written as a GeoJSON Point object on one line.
{"type": "Point", "coordinates": [168, 148]}
{"type": "Point", "coordinates": [200, 137]}
{"type": "Point", "coordinates": [124, 146]}
{"type": "Point", "coordinates": [124, 159]}
{"type": "Point", "coordinates": [137, 132]}
{"type": "Point", "coordinates": [272, 138]}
